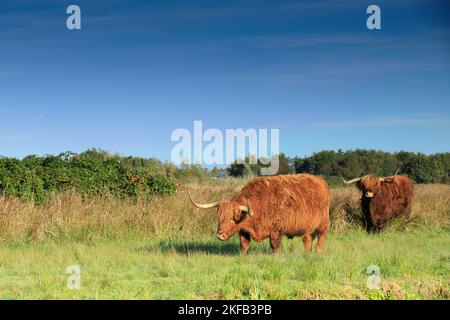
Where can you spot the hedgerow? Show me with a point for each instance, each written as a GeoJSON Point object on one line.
{"type": "Point", "coordinates": [38, 178]}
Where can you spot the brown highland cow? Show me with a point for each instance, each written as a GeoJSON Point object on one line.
{"type": "Point", "coordinates": [384, 198]}
{"type": "Point", "coordinates": [273, 207]}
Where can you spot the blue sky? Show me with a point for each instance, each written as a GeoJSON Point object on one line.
{"type": "Point", "coordinates": [140, 69]}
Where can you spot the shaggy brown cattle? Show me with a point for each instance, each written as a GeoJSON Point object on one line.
{"type": "Point", "coordinates": [271, 207]}
{"type": "Point", "coordinates": [384, 198]}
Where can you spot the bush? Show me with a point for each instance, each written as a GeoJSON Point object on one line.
{"type": "Point", "coordinates": [38, 178]}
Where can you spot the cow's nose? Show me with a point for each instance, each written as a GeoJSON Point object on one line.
{"type": "Point", "coordinates": [369, 194]}
{"type": "Point", "coordinates": [222, 236]}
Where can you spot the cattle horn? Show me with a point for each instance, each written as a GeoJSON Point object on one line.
{"type": "Point", "coordinates": [390, 179]}
{"type": "Point", "coordinates": [352, 181]}
{"type": "Point", "coordinates": [203, 206]}
{"type": "Point", "coordinates": [247, 210]}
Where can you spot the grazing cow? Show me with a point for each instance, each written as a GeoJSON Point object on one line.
{"type": "Point", "coordinates": [271, 207]}
{"type": "Point", "coordinates": [384, 198]}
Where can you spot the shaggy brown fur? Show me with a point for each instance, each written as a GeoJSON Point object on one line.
{"type": "Point", "coordinates": [291, 205]}
{"type": "Point", "coordinates": [381, 201]}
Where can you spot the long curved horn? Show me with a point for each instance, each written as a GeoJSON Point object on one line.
{"type": "Point", "coordinates": [203, 206]}
{"type": "Point", "coordinates": [390, 179]}
{"type": "Point", "coordinates": [352, 181]}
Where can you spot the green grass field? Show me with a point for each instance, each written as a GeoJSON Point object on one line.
{"type": "Point", "coordinates": [414, 265]}
{"type": "Point", "coordinates": [165, 249]}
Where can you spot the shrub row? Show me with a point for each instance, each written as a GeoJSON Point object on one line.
{"type": "Point", "coordinates": [38, 178]}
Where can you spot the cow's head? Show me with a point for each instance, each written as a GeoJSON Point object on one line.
{"type": "Point", "coordinates": [370, 184]}
{"type": "Point", "coordinates": [230, 214]}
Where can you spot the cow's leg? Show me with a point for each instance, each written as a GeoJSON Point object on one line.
{"type": "Point", "coordinates": [407, 211]}
{"type": "Point", "coordinates": [380, 224]}
{"type": "Point", "coordinates": [371, 226]}
{"type": "Point", "coordinates": [275, 242]}
{"type": "Point", "coordinates": [322, 233]}
{"type": "Point", "coordinates": [245, 242]}
{"type": "Point", "coordinates": [307, 242]}
{"type": "Point", "coordinates": [322, 236]}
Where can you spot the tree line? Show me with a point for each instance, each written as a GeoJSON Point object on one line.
{"type": "Point", "coordinates": [97, 172]}
{"type": "Point", "coordinates": [334, 165]}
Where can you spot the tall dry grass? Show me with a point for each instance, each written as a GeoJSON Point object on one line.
{"type": "Point", "coordinates": [431, 208]}
{"type": "Point", "coordinates": [69, 216]}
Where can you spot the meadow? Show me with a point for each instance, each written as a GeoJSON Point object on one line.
{"type": "Point", "coordinates": [163, 248]}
